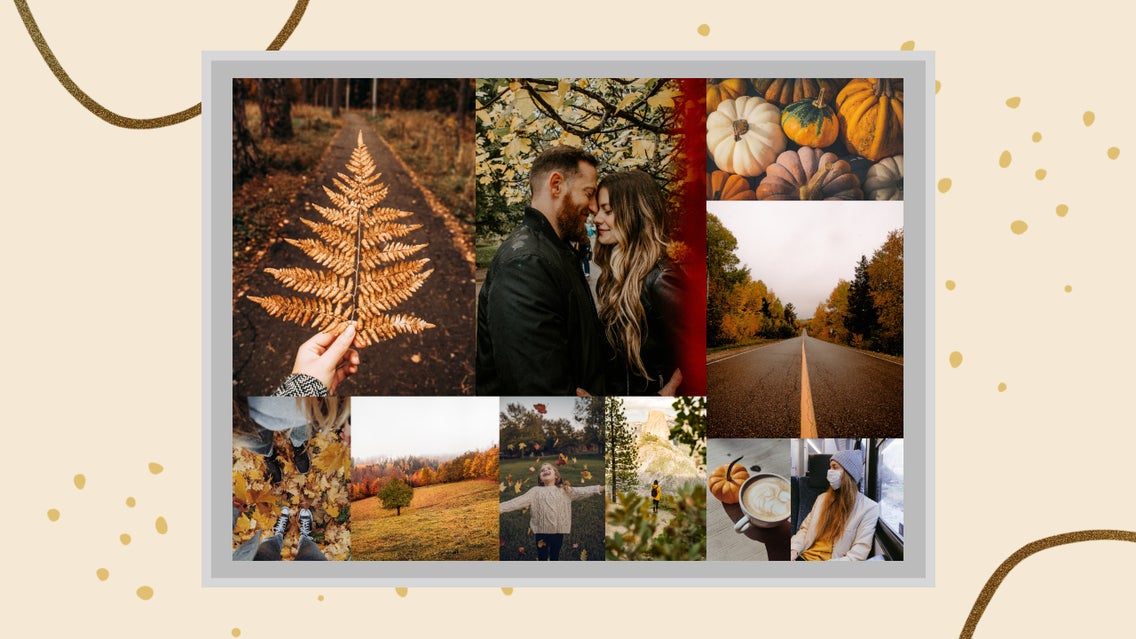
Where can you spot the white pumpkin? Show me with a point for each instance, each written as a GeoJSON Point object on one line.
{"type": "Point", "coordinates": [884, 180]}
{"type": "Point", "coordinates": [744, 135]}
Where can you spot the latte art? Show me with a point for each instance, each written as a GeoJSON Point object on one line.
{"type": "Point", "coordinates": [767, 498]}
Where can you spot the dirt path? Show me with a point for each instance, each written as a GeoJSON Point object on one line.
{"type": "Point", "coordinates": [436, 362]}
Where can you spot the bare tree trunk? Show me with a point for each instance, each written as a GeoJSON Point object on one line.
{"type": "Point", "coordinates": [374, 95]}
{"type": "Point", "coordinates": [275, 108]}
{"type": "Point", "coordinates": [347, 96]}
{"type": "Point", "coordinates": [334, 98]}
{"type": "Point", "coordinates": [246, 157]}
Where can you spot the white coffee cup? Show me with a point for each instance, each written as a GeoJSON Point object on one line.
{"type": "Point", "coordinates": [765, 501]}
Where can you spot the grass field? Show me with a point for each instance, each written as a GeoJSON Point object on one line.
{"type": "Point", "coordinates": [586, 541]}
{"type": "Point", "coordinates": [454, 522]}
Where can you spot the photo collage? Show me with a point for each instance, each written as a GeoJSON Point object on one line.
{"type": "Point", "coordinates": [568, 319]}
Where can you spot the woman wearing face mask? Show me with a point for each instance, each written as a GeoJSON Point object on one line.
{"type": "Point", "coordinates": [842, 523]}
{"type": "Point", "coordinates": [639, 289]}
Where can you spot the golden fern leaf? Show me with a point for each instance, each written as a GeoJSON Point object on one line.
{"type": "Point", "coordinates": [369, 273]}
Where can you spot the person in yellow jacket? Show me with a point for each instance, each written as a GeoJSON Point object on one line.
{"type": "Point", "coordinates": [656, 495]}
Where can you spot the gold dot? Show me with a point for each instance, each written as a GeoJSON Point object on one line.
{"type": "Point", "coordinates": [401, 591]}
{"type": "Point", "coordinates": [1062, 210]}
{"type": "Point", "coordinates": [161, 526]}
{"type": "Point", "coordinates": [956, 359]}
{"type": "Point", "coordinates": [1013, 102]}
{"type": "Point", "coordinates": [950, 285]}
{"type": "Point", "coordinates": [155, 468]}
{"type": "Point", "coordinates": [80, 481]}
{"type": "Point", "coordinates": [236, 632]}
{"type": "Point", "coordinates": [125, 539]}
{"type": "Point", "coordinates": [1036, 136]}
{"type": "Point", "coordinates": [130, 502]}
{"type": "Point", "coordinates": [1004, 159]}
{"type": "Point", "coordinates": [944, 185]}
{"type": "Point", "coordinates": [1113, 152]}
{"type": "Point", "coordinates": [53, 514]}
{"type": "Point", "coordinates": [703, 29]}
{"type": "Point", "coordinates": [1002, 387]}
{"type": "Point", "coordinates": [907, 46]}
{"type": "Point", "coordinates": [145, 592]}
{"type": "Point", "coordinates": [102, 574]}
{"type": "Point", "coordinates": [507, 591]}
{"type": "Point", "coordinates": [1088, 118]}
{"type": "Point", "coordinates": [1068, 288]}
{"type": "Point", "coordinates": [319, 598]}
{"type": "Point", "coordinates": [938, 85]}
{"type": "Point", "coordinates": [1040, 174]}
{"type": "Point", "coordinates": [1018, 227]}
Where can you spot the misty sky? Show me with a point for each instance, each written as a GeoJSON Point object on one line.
{"type": "Point", "coordinates": [636, 408]}
{"type": "Point", "coordinates": [399, 426]}
{"type": "Point", "coordinates": [802, 249]}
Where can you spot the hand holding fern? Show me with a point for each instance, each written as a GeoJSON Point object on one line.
{"type": "Point", "coordinates": [328, 358]}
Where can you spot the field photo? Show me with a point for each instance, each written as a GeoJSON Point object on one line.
{"type": "Point", "coordinates": [551, 479]}
{"type": "Point", "coordinates": [352, 211]}
{"type": "Point", "coordinates": [424, 479]}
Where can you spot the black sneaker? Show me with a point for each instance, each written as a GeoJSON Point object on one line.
{"type": "Point", "coordinates": [300, 459]}
{"type": "Point", "coordinates": [282, 521]}
{"type": "Point", "coordinates": [306, 523]}
{"type": "Point", "coordinates": [273, 467]}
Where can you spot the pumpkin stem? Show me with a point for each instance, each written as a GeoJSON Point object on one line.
{"type": "Point", "coordinates": [741, 127]}
{"type": "Point", "coordinates": [882, 86]}
{"type": "Point", "coordinates": [730, 468]}
{"type": "Point", "coordinates": [814, 188]}
{"type": "Point", "coordinates": [819, 102]}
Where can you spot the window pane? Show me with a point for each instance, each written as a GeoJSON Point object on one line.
{"type": "Point", "coordinates": [891, 485]}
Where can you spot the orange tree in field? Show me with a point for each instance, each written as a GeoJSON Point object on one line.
{"type": "Point", "coordinates": [396, 495]}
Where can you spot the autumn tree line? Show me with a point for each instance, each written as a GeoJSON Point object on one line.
{"type": "Point", "coordinates": [275, 98]}
{"type": "Point", "coordinates": [368, 479]}
{"type": "Point", "coordinates": [739, 309]}
{"type": "Point", "coordinates": [867, 312]}
{"type": "Point", "coordinates": [527, 432]}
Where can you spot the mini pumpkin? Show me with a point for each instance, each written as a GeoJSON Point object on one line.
{"type": "Point", "coordinates": [726, 481]}
{"type": "Point", "coordinates": [727, 89]}
{"type": "Point", "coordinates": [871, 117]}
{"type": "Point", "coordinates": [744, 135]}
{"type": "Point", "coordinates": [784, 91]}
{"type": "Point", "coordinates": [809, 174]}
{"type": "Point", "coordinates": [885, 179]}
{"type": "Point", "coordinates": [811, 122]}
{"type": "Point", "coordinates": [727, 186]}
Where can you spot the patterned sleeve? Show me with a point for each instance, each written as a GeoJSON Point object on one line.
{"type": "Point", "coordinates": [517, 503]}
{"type": "Point", "coordinates": [301, 385]}
{"type": "Point", "coordinates": [582, 492]}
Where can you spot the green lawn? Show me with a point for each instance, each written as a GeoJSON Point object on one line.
{"type": "Point", "coordinates": [586, 541]}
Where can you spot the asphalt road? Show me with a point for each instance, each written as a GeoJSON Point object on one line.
{"type": "Point", "coordinates": [758, 393]}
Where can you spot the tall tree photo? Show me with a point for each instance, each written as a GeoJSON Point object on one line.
{"type": "Point", "coordinates": [622, 454]}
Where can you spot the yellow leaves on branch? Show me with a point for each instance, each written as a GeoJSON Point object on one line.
{"type": "Point", "coordinates": [369, 271]}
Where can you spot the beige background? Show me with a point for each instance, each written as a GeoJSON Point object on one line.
{"type": "Point", "coordinates": [101, 230]}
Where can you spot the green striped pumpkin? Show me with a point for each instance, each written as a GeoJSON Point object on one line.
{"type": "Point", "coordinates": [810, 122]}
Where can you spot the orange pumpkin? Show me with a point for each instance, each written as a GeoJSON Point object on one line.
{"type": "Point", "coordinates": [726, 481]}
{"type": "Point", "coordinates": [811, 122]}
{"type": "Point", "coordinates": [809, 174]}
{"type": "Point", "coordinates": [725, 90]}
{"type": "Point", "coordinates": [727, 186]}
{"type": "Point", "coordinates": [871, 117]}
{"type": "Point", "coordinates": [785, 91]}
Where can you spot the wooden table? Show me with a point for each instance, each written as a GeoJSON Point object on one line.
{"type": "Point", "coordinates": [755, 544]}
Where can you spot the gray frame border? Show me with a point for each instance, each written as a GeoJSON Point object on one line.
{"type": "Point", "coordinates": [917, 70]}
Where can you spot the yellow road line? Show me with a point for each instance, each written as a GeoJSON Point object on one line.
{"type": "Point", "coordinates": [808, 417]}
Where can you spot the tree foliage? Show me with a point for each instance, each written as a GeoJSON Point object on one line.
{"type": "Point", "coordinates": [622, 454]}
{"type": "Point", "coordinates": [396, 495]}
{"type": "Point", "coordinates": [625, 123]}
{"type": "Point", "coordinates": [723, 272]}
{"type": "Point", "coordinates": [634, 535]}
{"type": "Point", "coordinates": [690, 426]}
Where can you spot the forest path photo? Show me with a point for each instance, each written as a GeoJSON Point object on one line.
{"type": "Point", "coordinates": [439, 360]}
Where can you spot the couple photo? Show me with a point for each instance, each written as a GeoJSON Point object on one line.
{"type": "Point", "coordinates": [584, 286]}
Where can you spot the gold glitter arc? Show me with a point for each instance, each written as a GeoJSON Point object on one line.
{"type": "Point", "coordinates": [1032, 548]}
{"type": "Point", "coordinates": [110, 116]}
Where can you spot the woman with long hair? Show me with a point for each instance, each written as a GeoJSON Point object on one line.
{"type": "Point", "coordinates": [639, 288]}
{"type": "Point", "coordinates": [842, 523]}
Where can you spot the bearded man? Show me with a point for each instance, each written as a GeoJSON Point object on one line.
{"type": "Point", "coordinates": [537, 328]}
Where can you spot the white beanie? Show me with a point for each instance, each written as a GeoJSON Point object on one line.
{"type": "Point", "coordinates": [852, 461]}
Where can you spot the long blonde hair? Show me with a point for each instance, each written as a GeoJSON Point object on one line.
{"type": "Point", "coordinates": [837, 508]}
{"type": "Point", "coordinates": [638, 211]}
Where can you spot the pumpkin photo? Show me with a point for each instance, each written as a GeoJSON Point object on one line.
{"type": "Point", "coordinates": [811, 122]}
{"type": "Point", "coordinates": [871, 117]}
{"type": "Point", "coordinates": [727, 186]}
{"type": "Point", "coordinates": [809, 174]}
{"type": "Point", "coordinates": [726, 481]}
{"type": "Point", "coordinates": [744, 135]}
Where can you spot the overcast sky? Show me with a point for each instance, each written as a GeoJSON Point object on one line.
{"type": "Point", "coordinates": [636, 408]}
{"type": "Point", "coordinates": [442, 426]}
{"type": "Point", "coordinates": [802, 249]}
